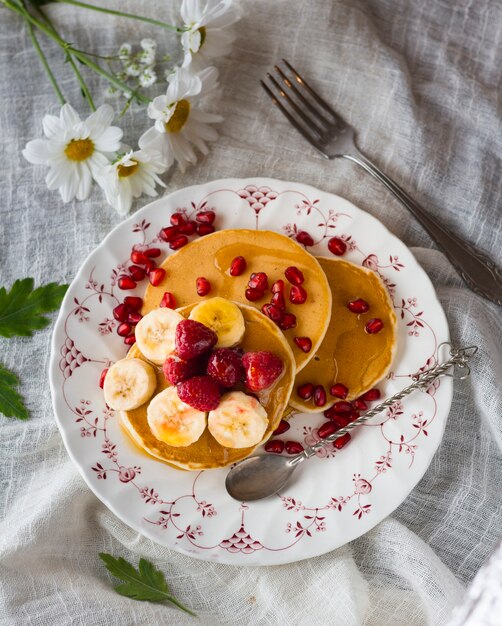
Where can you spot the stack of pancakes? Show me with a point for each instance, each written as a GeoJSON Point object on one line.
{"type": "Point", "coordinates": [342, 351]}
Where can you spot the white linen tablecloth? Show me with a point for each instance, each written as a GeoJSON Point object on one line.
{"type": "Point", "coordinates": [421, 83]}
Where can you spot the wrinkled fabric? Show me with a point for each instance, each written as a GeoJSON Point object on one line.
{"type": "Point", "coordinates": [420, 81]}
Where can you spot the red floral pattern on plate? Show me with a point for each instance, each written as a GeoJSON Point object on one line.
{"type": "Point", "coordinates": [191, 512]}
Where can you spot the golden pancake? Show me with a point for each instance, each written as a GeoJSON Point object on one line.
{"type": "Point", "coordinates": [260, 334]}
{"type": "Point", "coordinates": [348, 354]}
{"type": "Point", "coordinates": [264, 251]}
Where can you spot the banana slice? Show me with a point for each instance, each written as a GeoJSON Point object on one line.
{"type": "Point", "coordinates": [222, 316]}
{"type": "Point", "coordinates": [155, 334]}
{"type": "Point", "coordinates": [129, 383]}
{"type": "Point", "coordinates": [174, 422]}
{"type": "Point", "coordinates": [240, 421]}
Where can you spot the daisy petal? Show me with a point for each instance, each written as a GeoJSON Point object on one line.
{"type": "Point", "coordinates": [51, 126]}
{"type": "Point", "coordinates": [109, 140]}
{"type": "Point", "coordinates": [102, 117]}
{"type": "Point", "coordinates": [85, 182]}
{"type": "Point", "coordinates": [37, 152]}
{"type": "Point", "coordinates": [57, 175]}
{"type": "Point", "coordinates": [69, 187]}
{"type": "Point", "coordinates": [68, 116]}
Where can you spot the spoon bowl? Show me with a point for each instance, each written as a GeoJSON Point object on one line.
{"type": "Point", "coordinates": [259, 476]}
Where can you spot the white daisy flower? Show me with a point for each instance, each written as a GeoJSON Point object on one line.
{"type": "Point", "coordinates": [205, 38]}
{"type": "Point", "coordinates": [130, 177]}
{"type": "Point", "coordinates": [178, 123]}
{"type": "Point", "coordinates": [76, 151]}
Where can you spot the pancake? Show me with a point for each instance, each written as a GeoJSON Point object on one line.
{"type": "Point", "coordinates": [348, 354]}
{"type": "Point", "coordinates": [260, 334]}
{"type": "Point", "coordinates": [264, 251]}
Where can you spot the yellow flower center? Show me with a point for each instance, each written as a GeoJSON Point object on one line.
{"type": "Point", "coordinates": [179, 117]}
{"type": "Point", "coordinates": [79, 149]}
{"type": "Point", "coordinates": [202, 31]}
{"type": "Point", "coordinates": [127, 170]}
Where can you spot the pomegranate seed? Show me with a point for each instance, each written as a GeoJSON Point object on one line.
{"type": "Point", "coordinates": [339, 391]}
{"type": "Point", "coordinates": [138, 273]}
{"type": "Point", "coordinates": [340, 421]}
{"type": "Point", "coordinates": [130, 340]}
{"type": "Point", "coordinates": [152, 253]}
{"type": "Point", "coordinates": [272, 312]}
{"type": "Point", "coordinates": [304, 238]}
{"type": "Point", "coordinates": [326, 429]}
{"type": "Point", "coordinates": [238, 266]}
{"type": "Point", "coordinates": [359, 405]}
{"type": "Point", "coordinates": [278, 286]}
{"type": "Point", "coordinates": [102, 377]}
{"type": "Point", "coordinates": [342, 407]}
{"type": "Point", "coordinates": [149, 266]}
{"type": "Point", "coordinates": [258, 281]}
{"type": "Point", "coordinates": [288, 321]}
{"type": "Point", "coordinates": [332, 414]}
{"type": "Point", "coordinates": [126, 282]}
{"type": "Point", "coordinates": [169, 233]}
{"type": "Point", "coordinates": [297, 294]}
{"type": "Point", "coordinates": [177, 219]}
{"type": "Point", "coordinates": [293, 447]}
{"type": "Point", "coordinates": [253, 294]}
{"type": "Point", "coordinates": [294, 275]}
{"type": "Point", "coordinates": [138, 257]}
{"type": "Point", "coordinates": [278, 301]}
{"type": "Point", "coordinates": [179, 242]}
{"type": "Point", "coordinates": [337, 246]}
{"type": "Point", "coordinates": [133, 302]}
{"type": "Point", "coordinates": [189, 228]}
{"type": "Point", "coordinates": [319, 395]}
{"type": "Point", "coordinates": [305, 391]}
{"type": "Point", "coordinates": [276, 446]}
{"type": "Point", "coordinates": [205, 217]}
{"type": "Point", "coordinates": [203, 286]}
{"type": "Point", "coordinates": [157, 276]}
{"type": "Point", "coordinates": [342, 441]}
{"type": "Point", "coordinates": [354, 415]}
{"type": "Point", "coordinates": [304, 343]}
{"type": "Point", "coordinates": [374, 326]}
{"type": "Point", "coordinates": [371, 395]}
{"type": "Point", "coordinates": [134, 317]}
{"type": "Point", "coordinates": [205, 229]}
{"type": "Point", "coordinates": [120, 312]}
{"type": "Point", "coordinates": [358, 306]}
{"type": "Point", "coordinates": [168, 301]}
{"type": "Point", "coordinates": [124, 329]}
{"type": "Point", "coordinates": [282, 428]}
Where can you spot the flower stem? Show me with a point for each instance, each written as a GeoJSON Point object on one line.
{"type": "Point", "coordinates": [81, 81]}
{"type": "Point", "coordinates": [93, 7]}
{"type": "Point", "coordinates": [81, 56]}
{"type": "Point", "coordinates": [43, 58]}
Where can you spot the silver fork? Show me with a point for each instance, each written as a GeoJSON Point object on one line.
{"type": "Point", "coordinates": [330, 135]}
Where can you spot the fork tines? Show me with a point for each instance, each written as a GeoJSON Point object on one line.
{"type": "Point", "coordinates": [305, 109]}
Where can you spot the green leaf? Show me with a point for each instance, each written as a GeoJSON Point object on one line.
{"type": "Point", "coordinates": [22, 308]}
{"type": "Point", "coordinates": [11, 403]}
{"type": "Point", "coordinates": [145, 583]}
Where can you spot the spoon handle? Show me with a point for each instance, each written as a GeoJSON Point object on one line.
{"type": "Point", "coordinates": [458, 357]}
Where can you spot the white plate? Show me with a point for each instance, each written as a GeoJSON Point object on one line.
{"type": "Point", "coordinates": [334, 498]}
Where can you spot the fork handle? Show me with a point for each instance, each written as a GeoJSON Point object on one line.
{"type": "Point", "coordinates": [479, 272]}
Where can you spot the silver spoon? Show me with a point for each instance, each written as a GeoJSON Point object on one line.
{"type": "Point", "coordinates": [263, 475]}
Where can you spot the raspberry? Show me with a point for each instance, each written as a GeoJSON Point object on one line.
{"type": "Point", "coordinates": [176, 369]}
{"type": "Point", "coordinates": [192, 339]}
{"type": "Point", "coordinates": [225, 366]}
{"type": "Point", "coordinates": [262, 369]}
{"type": "Point", "coordinates": [200, 392]}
